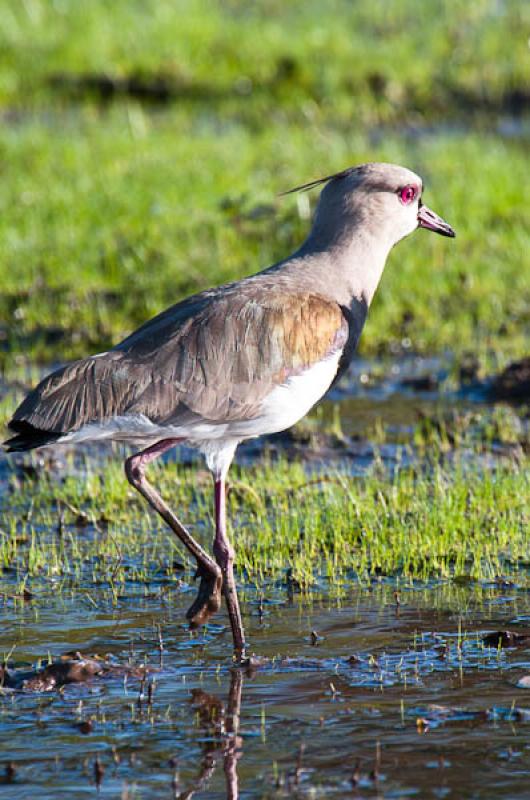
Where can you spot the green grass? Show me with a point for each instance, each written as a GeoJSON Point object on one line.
{"type": "Point", "coordinates": [101, 229]}
{"type": "Point", "coordinates": [404, 53]}
{"type": "Point", "coordinates": [110, 212]}
{"type": "Point", "coordinates": [419, 524]}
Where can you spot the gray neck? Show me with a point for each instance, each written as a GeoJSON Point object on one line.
{"type": "Point", "coordinates": [346, 269]}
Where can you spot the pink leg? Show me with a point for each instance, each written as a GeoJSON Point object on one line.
{"type": "Point", "coordinates": [209, 598]}
{"type": "Point", "coordinates": [224, 555]}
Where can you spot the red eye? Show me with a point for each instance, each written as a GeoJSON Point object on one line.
{"type": "Point", "coordinates": [408, 194]}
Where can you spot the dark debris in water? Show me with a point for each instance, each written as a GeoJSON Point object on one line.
{"type": "Point", "coordinates": [506, 639]}
{"type": "Point", "coordinates": [513, 383]}
{"type": "Point", "coordinates": [10, 773]}
{"type": "Point", "coordinates": [422, 383]}
{"type": "Point", "coordinates": [435, 715]}
{"type": "Point", "coordinates": [69, 670]}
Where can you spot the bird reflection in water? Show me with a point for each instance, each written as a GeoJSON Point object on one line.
{"type": "Point", "coordinates": [221, 723]}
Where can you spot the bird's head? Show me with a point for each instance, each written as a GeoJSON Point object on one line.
{"type": "Point", "coordinates": [383, 200]}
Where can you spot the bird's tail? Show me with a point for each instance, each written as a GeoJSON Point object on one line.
{"type": "Point", "coordinates": [28, 438]}
{"type": "Point", "coordinates": [79, 393]}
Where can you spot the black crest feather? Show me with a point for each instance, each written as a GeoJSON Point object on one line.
{"type": "Point", "coordinates": [306, 186]}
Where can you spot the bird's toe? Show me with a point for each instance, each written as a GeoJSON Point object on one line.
{"type": "Point", "coordinates": [208, 600]}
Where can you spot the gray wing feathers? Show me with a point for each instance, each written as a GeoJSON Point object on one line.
{"type": "Point", "coordinates": [216, 357]}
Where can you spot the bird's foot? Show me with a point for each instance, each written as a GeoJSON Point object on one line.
{"type": "Point", "coordinates": [208, 599]}
{"type": "Point", "coordinates": [250, 664]}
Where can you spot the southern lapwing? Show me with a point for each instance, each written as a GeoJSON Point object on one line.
{"type": "Point", "coordinates": [242, 360]}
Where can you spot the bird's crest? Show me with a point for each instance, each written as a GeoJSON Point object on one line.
{"type": "Point", "coordinates": [319, 182]}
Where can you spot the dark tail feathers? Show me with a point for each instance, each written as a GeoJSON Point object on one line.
{"type": "Point", "coordinates": [28, 437]}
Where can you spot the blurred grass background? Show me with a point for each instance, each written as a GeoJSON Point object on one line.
{"type": "Point", "coordinates": [143, 146]}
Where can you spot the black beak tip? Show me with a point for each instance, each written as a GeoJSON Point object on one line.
{"type": "Point", "coordinates": [432, 222]}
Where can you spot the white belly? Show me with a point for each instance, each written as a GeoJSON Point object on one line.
{"type": "Point", "coordinates": [291, 401]}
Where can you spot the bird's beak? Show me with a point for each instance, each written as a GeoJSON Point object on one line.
{"type": "Point", "coordinates": [428, 219]}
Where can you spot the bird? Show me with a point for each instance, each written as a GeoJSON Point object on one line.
{"type": "Point", "coordinates": [241, 360]}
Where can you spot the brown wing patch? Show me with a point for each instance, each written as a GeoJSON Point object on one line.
{"type": "Point", "coordinates": [306, 329]}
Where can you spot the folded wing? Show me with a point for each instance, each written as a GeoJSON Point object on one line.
{"type": "Point", "coordinates": [216, 356]}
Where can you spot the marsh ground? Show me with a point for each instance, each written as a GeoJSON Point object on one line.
{"type": "Point", "coordinates": [384, 582]}
{"type": "Point", "coordinates": [142, 150]}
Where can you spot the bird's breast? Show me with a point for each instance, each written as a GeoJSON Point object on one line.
{"type": "Point", "coordinates": [291, 400]}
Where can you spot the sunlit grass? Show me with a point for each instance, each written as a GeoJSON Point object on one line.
{"type": "Point", "coordinates": [418, 524]}
{"type": "Point", "coordinates": [105, 230]}
{"type": "Point", "coordinates": [397, 54]}
{"type": "Point", "coordinates": [111, 212]}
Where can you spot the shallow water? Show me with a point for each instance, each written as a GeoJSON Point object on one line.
{"type": "Point", "coordinates": [384, 689]}
{"type": "Point", "coordinates": [392, 700]}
